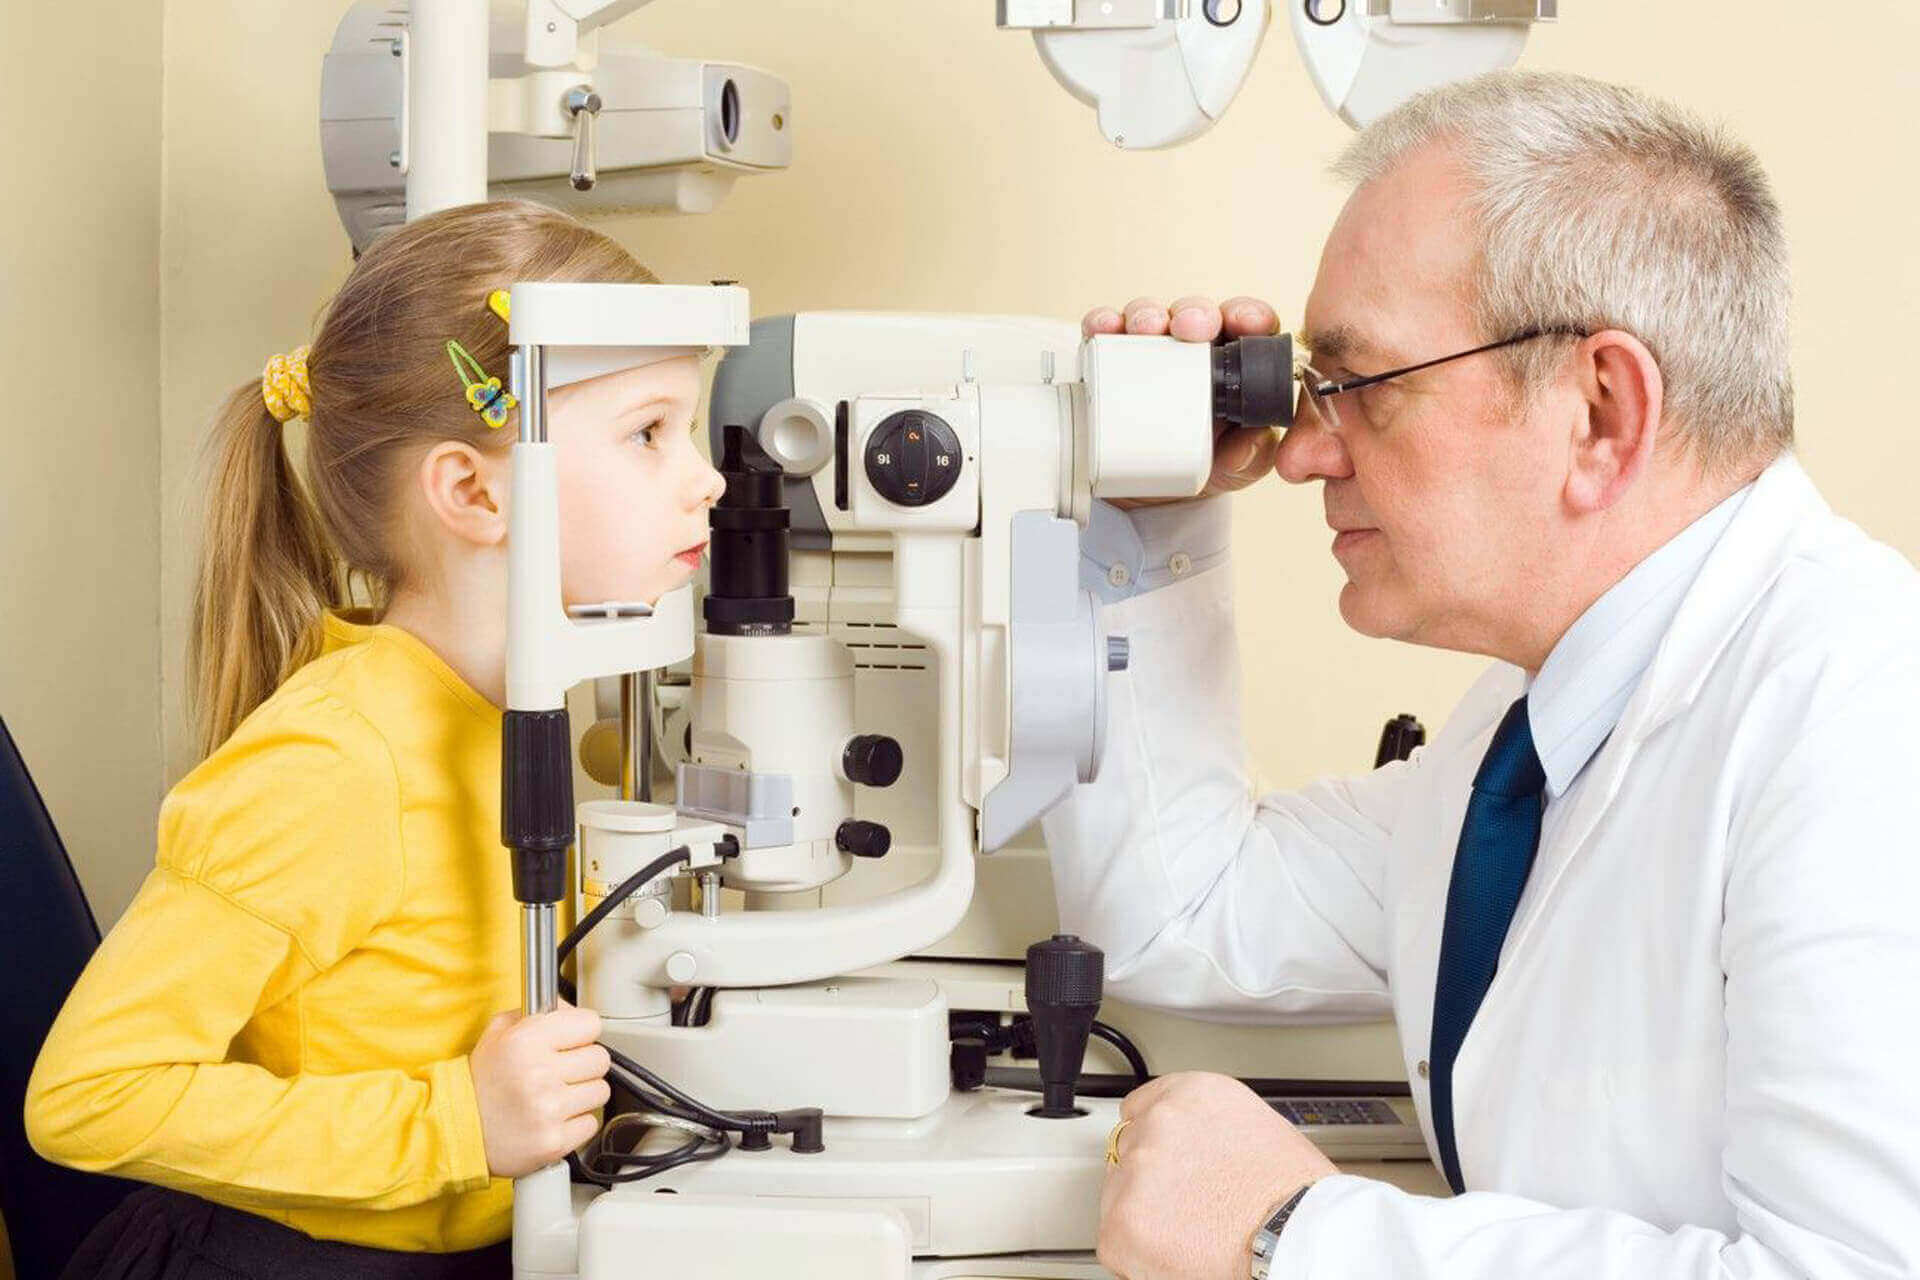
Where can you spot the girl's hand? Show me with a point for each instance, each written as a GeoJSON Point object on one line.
{"type": "Point", "coordinates": [540, 1082]}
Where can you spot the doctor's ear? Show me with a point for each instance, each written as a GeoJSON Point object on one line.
{"type": "Point", "coordinates": [466, 490]}
{"type": "Point", "coordinates": [1623, 396]}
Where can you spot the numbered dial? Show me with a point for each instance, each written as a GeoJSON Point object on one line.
{"type": "Point", "coordinates": [913, 458]}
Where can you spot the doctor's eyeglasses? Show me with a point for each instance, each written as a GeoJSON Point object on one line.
{"type": "Point", "coordinates": [1318, 391]}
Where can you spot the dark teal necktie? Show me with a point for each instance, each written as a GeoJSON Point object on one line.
{"type": "Point", "coordinates": [1497, 844]}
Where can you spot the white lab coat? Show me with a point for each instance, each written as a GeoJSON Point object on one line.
{"type": "Point", "coordinates": [1698, 1056]}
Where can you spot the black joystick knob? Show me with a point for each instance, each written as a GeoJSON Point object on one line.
{"type": "Point", "coordinates": [873, 760]}
{"type": "Point", "coordinates": [863, 839]}
{"type": "Point", "coordinates": [1064, 977]}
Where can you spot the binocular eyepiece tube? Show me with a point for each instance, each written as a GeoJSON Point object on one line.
{"type": "Point", "coordinates": [1253, 381]}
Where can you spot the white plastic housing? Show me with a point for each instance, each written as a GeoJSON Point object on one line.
{"type": "Point", "coordinates": [426, 109]}
{"type": "Point", "coordinates": [1161, 84]}
{"type": "Point", "coordinates": [977, 1177]}
{"type": "Point", "coordinates": [697, 1236]}
{"type": "Point", "coordinates": [780, 705]}
{"type": "Point", "coordinates": [755, 948]}
{"type": "Point", "coordinates": [1149, 416]}
{"type": "Point", "coordinates": [872, 1047]}
{"type": "Point", "coordinates": [617, 839]}
{"type": "Point", "coordinates": [1366, 66]}
{"type": "Point", "coordinates": [598, 316]}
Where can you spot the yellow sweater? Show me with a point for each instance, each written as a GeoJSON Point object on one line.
{"type": "Point", "coordinates": [280, 1021]}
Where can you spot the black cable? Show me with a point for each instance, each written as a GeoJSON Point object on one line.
{"type": "Point", "coordinates": [1128, 1050]}
{"type": "Point", "coordinates": [698, 1110]}
{"type": "Point", "coordinates": [621, 892]}
{"type": "Point", "coordinates": [754, 1127]}
{"type": "Point", "coordinates": [1027, 1080]}
{"type": "Point", "coordinates": [633, 1166]}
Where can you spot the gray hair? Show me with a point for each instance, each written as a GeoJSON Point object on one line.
{"type": "Point", "coordinates": [1601, 207]}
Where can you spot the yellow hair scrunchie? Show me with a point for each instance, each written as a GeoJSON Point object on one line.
{"type": "Point", "coordinates": [284, 386]}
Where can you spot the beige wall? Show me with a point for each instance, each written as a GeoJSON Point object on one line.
{"type": "Point", "coordinates": [79, 484]}
{"type": "Point", "coordinates": [938, 167]}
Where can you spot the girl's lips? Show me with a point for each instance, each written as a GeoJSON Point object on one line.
{"type": "Point", "coordinates": [691, 556]}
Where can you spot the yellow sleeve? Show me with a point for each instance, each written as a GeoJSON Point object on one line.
{"type": "Point", "coordinates": [278, 856]}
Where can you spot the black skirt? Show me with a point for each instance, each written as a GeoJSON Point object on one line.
{"type": "Point", "coordinates": [157, 1234]}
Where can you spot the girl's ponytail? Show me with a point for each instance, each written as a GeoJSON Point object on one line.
{"type": "Point", "coordinates": [377, 393]}
{"type": "Point", "coordinates": [266, 571]}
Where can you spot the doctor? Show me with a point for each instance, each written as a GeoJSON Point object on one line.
{"type": "Point", "coordinates": [1647, 910]}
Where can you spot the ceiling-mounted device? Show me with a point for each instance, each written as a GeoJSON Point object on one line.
{"type": "Point", "coordinates": [570, 118]}
{"type": "Point", "coordinates": [1161, 72]}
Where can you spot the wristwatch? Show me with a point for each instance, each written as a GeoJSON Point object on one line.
{"type": "Point", "coordinates": [1267, 1238]}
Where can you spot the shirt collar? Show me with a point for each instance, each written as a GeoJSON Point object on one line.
{"type": "Point", "coordinates": [1584, 685]}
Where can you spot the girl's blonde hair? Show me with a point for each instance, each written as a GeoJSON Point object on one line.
{"type": "Point", "coordinates": [274, 555]}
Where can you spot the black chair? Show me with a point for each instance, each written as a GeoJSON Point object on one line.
{"type": "Point", "coordinates": [47, 932]}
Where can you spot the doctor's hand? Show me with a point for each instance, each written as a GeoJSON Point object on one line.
{"type": "Point", "coordinates": [1241, 455]}
{"type": "Point", "coordinates": [1202, 1163]}
{"type": "Point", "coordinates": [540, 1082]}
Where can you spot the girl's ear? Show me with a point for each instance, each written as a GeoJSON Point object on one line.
{"type": "Point", "coordinates": [466, 490]}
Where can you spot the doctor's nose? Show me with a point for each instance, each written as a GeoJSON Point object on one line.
{"type": "Point", "coordinates": [1310, 451]}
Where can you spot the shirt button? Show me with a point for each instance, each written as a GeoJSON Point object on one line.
{"type": "Point", "coordinates": [1119, 575]}
{"type": "Point", "coordinates": [1422, 1068]}
{"type": "Point", "coordinates": [1180, 563]}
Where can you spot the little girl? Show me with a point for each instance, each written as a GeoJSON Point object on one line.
{"type": "Point", "coordinates": [289, 1031]}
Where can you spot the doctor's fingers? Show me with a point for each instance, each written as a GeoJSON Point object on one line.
{"type": "Point", "coordinates": [1243, 315]}
{"type": "Point", "coordinates": [1136, 1104]}
{"type": "Point", "coordinates": [1241, 456]}
{"type": "Point", "coordinates": [1146, 316]}
{"type": "Point", "coordinates": [1195, 319]}
{"type": "Point", "coordinates": [1107, 1241]}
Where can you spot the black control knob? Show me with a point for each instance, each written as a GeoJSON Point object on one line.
{"type": "Point", "coordinates": [1399, 739]}
{"type": "Point", "coordinates": [913, 458]}
{"type": "Point", "coordinates": [863, 839]}
{"type": "Point", "coordinates": [873, 760]}
{"type": "Point", "coordinates": [1064, 981]}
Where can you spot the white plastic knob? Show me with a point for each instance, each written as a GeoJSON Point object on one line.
{"type": "Point", "coordinates": [681, 967]}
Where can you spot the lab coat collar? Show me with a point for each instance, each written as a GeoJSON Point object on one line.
{"type": "Point", "coordinates": [1777, 517]}
{"type": "Point", "coordinates": [1762, 538]}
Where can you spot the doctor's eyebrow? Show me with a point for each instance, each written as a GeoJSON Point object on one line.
{"type": "Point", "coordinates": [1338, 343]}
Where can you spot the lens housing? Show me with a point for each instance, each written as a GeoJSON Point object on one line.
{"type": "Point", "coordinates": [748, 595]}
{"type": "Point", "coordinates": [1253, 381]}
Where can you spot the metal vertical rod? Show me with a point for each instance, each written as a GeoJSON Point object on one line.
{"type": "Point", "coordinates": [539, 958]}
{"type": "Point", "coordinates": [640, 734]}
{"type": "Point", "coordinates": [636, 736]}
{"type": "Point", "coordinates": [629, 706]}
{"type": "Point", "coordinates": [533, 396]}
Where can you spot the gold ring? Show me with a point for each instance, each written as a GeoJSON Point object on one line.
{"type": "Point", "coordinates": [1113, 1143]}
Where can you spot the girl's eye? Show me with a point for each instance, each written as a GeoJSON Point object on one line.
{"type": "Point", "coordinates": [646, 434]}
